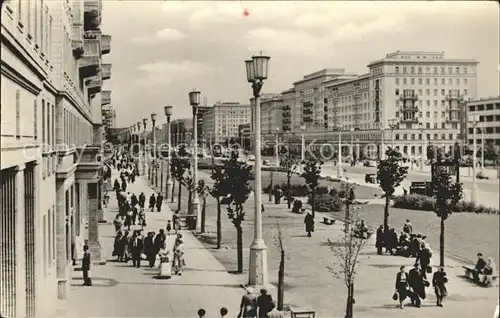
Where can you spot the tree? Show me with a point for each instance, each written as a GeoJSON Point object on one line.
{"type": "Point", "coordinates": [390, 173]}
{"type": "Point", "coordinates": [188, 183]}
{"type": "Point", "coordinates": [179, 165]}
{"type": "Point", "coordinates": [219, 192]}
{"type": "Point", "coordinates": [447, 194]}
{"type": "Point", "coordinates": [279, 242]}
{"type": "Point", "coordinates": [349, 198]}
{"type": "Point", "coordinates": [238, 176]}
{"type": "Point", "coordinates": [311, 175]}
{"type": "Point", "coordinates": [289, 163]}
{"type": "Point", "coordinates": [347, 253]}
{"type": "Point", "coordinates": [203, 191]}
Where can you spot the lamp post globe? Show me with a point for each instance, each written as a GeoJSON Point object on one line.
{"type": "Point", "coordinates": [168, 187]}
{"type": "Point", "coordinates": [194, 101]}
{"type": "Point", "coordinates": [257, 72]}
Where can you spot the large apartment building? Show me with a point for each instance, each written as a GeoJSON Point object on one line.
{"type": "Point", "coordinates": [405, 96]}
{"type": "Point", "coordinates": [51, 78]}
{"type": "Point", "coordinates": [487, 112]}
{"type": "Point", "coordinates": [181, 131]}
{"type": "Point", "coordinates": [222, 120]}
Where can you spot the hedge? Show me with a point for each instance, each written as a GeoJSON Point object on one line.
{"type": "Point", "coordinates": [425, 203]}
{"type": "Point", "coordinates": [326, 203]}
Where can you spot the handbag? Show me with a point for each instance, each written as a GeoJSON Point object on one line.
{"type": "Point", "coordinates": [395, 296]}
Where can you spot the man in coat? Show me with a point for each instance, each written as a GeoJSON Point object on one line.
{"type": "Point", "coordinates": [87, 281]}
{"type": "Point", "coordinates": [379, 241]}
{"type": "Point", "coordinates": [159, 202]}
{"type": "Point", "coordinates": [150, 249]}
{"type": "Point", "coordinates": [152, 202]}
{"type": "Point", "coordinates": [416, 281]}
{"type": "Point", "coordinates": [309, 222]}
{"type": "Point", "coordinates": [142, 200]}
{"type": "Point", "coordinates": [136, 245]}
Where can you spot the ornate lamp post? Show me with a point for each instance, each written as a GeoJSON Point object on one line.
{"type": "Point", "coordinates": [154, 169]}
{"type": "Point", "coordinates": [194, 101]}
{"type": "Point", "coordinates": [302, 147]}
{"type": "Point", "coordinates": [257, 69]}
{"type": "Point", "coordinates": [144, 123]}
{"type": "Point", "coordinates": [276, 148]}
{"type": "Point", "coordinates": [475, 122]}
{"type": "Point", "coordinates": [168, 187]}
{"type": "Point", "coordinates": [421, 127]}
{"type": "Point", "coordinates": [393, 124]}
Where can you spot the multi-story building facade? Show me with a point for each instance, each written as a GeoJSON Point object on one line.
{"type": "Point", "coordinates": [405, 97]}
{"type": "Point", "coordinates": [221, 121]}
{"type": "Point", "coordinates": [487, 111]}
{"type": "Point", "coordinates": [181, 131]}
{"type": "Point", "coordinates": [271, 114]}
{"type": "Point", "coordinates": [51, 77]}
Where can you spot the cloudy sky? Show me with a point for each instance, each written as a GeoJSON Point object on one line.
{"type": "Point", "coordinates": [163, 49]}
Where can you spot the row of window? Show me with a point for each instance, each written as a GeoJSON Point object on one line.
{"type": "Point", "coordinates": [435, 81]}
{"type": "Point", "coordinates": [427, 136]}
{"type": "Point", "coordinates": [481, 107]}
{"type": "Point", "coordinates": [419, 70]}
{"type": "Point", "coordinates": [435, 92]}
{"type": "Point", "coordinates": [487, 130]}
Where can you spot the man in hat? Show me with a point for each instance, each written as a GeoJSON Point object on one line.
{"type": "Point", "coordinates": [309, 222]}
{"type": "Point", "coordinates": [87, 281]}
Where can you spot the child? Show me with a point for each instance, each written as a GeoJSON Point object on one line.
{"type": "Point", "coordinates": [169, 227]}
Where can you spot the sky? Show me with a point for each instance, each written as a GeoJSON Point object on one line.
{"type": "Point", "coordinates": [161, 50]}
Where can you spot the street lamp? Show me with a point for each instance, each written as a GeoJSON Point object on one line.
{"type": "Point", "coordinates": [257, 69]}
{"type": "Point", "coordinates": [153, 142]}
{"type": "Point", "coordinates": [393, 124]}
{"type": "Point", "coordinates": [339, 156]}
{"type": "Point", "coordinates": [194, 101]}
{"type": "Point", "coordinates": [276, 148]}
{"type": "Point", "coordinates": [421, 126]}
{"type": "Point", "coordinates": [168, 186]}
{"type": "Point", "coordinates": [302, 147]}
{"type": "Point", "coordinates": [474, 121]}
{"type": "Point", "coordinates": [144, 123]}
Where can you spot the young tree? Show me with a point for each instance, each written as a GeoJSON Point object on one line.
{"type": "Point", "coordinates": [447, 194]}
{"type": "Point", "coordinates": [289, 163]}
{"type": "Point", "coordinates": [390, 173]}
{"type": "Point", "coordinates": [279, 242]}
{"type": "Point", "coordinates": [238, 176]}
{"type": "Point", "coordinates": [219, 192]}
{"type": "Point", "coordinates": [311, 175]}
{"type": "Point", "coordinates": [188, 183]}
{"type": "Point", "coordinates": [179, 165]}
{"type": "Point", "coordinates": [203, 190]}
{"type": "Point", "coordinates": [347, 252]}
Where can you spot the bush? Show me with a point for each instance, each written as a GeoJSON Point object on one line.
{"type": "Point", "coordinates": [425, 203]}
{"type": "Point", "coordinates": [279, 169]}
{"type": "Point", "coordinates": [326, 203]}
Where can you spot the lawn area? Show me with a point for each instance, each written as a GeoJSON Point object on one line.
{"type": "Point", "coordinates": [466, 234]}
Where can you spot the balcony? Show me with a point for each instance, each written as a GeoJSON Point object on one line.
{"type": "Point", "coordinates": [454, 95]}
{"type": "Point", "coordinates": [105, 44]}
{"type": "Point", "coordinates": [409, 118]}
{"type": "Point", "coordinates": [409, 108]}
{"type": "Point", "coordinates": [408, 94]}
{"type": "Point", "coordinates": [94, 84]}
{"type": "Point", "coordinates": [90, 63]}
{"type": "Point", "coordinates": [105, 98]}
{"type": "Point", "coordinates": [77, 40]}
{"type": "Point", "coordinates": [106, 71]}
{"type": "Point", "coordinates": [286, 121]}
{"type": "Point", "coordinates": [91, 15]}
{"type": "Point", "coordinates": [286, 108]}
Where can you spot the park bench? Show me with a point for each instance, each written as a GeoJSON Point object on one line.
{"type": "Point", "coordinates": [469, 273]}
{"type": "Point", "coordinates": [302, 313]}
{"type": "Point", "coordinates": [328, 220]}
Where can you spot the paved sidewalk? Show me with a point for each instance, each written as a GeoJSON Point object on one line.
{"type": "Point", "coordinates": [119, 290]}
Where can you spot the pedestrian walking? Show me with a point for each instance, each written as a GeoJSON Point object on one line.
{"type": "Point", "coordinates": [379, 240]}
{"type": "Point", "coordinates": [169, 227]}
{"type": "Point", "coordinates": [136, 249]}
{"type": "Point", "coordinates": [179, 262]}
{"type": "Point", "coordinates": [152, 202]}
{"type": "Point", "coordinates": [248, 306]}
{"type": "Point", "coordinates": [416, 283]}
{"type": "Point", "coordinates": [401, 291]}
{"type": "Point", "coordinates": [264, 303]}
{"type": "Point", "coordinates": [439, 281]}
{"type": "Point", "coordinates": [309, 222]}
{"type": "Point", "coordinates": [159, 202]}
{"type": "Point", "coordinates": [142, 199]}
{"type": "Point", "coordinates": [424, 258]}
{"type": "Point", "coordinates": [150, 249]}
{"type": "Point", "coordinates": [87, 281]}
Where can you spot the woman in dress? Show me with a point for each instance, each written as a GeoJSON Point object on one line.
{"type": "Point", "coordinates": [179, 256]}
{"type": "Point", "coordinates": [402, 285]}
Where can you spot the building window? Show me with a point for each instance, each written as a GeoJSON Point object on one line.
{"type": "Point", "coordinates": [465, 70]}
{"type": "Point", "coordinates": [404, 81]}
{"type": "Point", "coordinates": [397, 81]}
{"type": "Point", "coordinates": [443, 81]}
{"type": "Point", "coordinates": [435, 81]}
{"type": "Point", "coordinates": [428, 126]}
{"type": "Point", "coordinates": [450, 70]}
{"type": "Point", "coordinates": [420, 81]}
{"type": "Point", "coordinates": [465, 91]}
{"type": "Point", "coordinates": [428, 102]}
{"type": "Point", "coordinates": [428, 114]}
{"type": "Point", "coordinates": [397, 137]}
{"type": "Point", "coordinates": [435, 136]}
{"type": "Point", "coordinates": [442, 103]}
{"type": "Point", "coordinates": [412, 81]}
{"type": "Point", "coordinates": [419, 70]}
{"type": "Point", "coordinates": [404, 70]}
{"type": "Point", "coordinates": [428, 81]}
{"type": "Point", "coordinates": [442, 70]}
{"type": "Point", "coordinates": [18, 110]}
{"type": "Point", "coordinates": [435, 92]}
{"type": "Point", "coordinates": [412, 70]}
{"type": "Point", "coordinates": [35, 128]}
{"type": "Point", "coordinates": [397, 91]}
{"type": "Point", "coordinates": [397, 69]}
{"type": "Point", "coordinates": [465, 81]}
{"type": "Point", "coordinates": [450, 81]}
{"type": "Point", "coordinates": [458, 81]}
{"type": "Point", "coordinates": [49, 140]}
{"type": "Point", "coordinates": [457, 70]}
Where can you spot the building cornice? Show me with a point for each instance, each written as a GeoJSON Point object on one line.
{"type": "Point", "coordinates": [19, 79]}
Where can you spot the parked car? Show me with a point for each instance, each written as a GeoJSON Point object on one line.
{"type": "Point", "coordinates": [369, 163]}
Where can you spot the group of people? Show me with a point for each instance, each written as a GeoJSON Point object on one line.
{"type": "Point", "coordinates": [484, 270]}
{"type": "Point", "coordinates": [407, 244]}
{"type": "Point", "coordinates": [150, 247]}
{"type": "Point", "coordinates": [261, 306]}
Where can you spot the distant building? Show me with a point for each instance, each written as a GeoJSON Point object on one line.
{"type": "Point", "coordinates": [245, 136]}
{"type": "Point", "coordinates": [488, 112]}
{"type": "Point", "coordinates": [181, 131]}
{"type": "Point", "coordinates": [221, 122]}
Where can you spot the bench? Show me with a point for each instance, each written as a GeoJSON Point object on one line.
{"type": "Point", "coordinates": [469, 273]}
{"type": "Point", "coordinates": [328, 220]}
{"type": "Point", "coordinates": [299, 313]}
